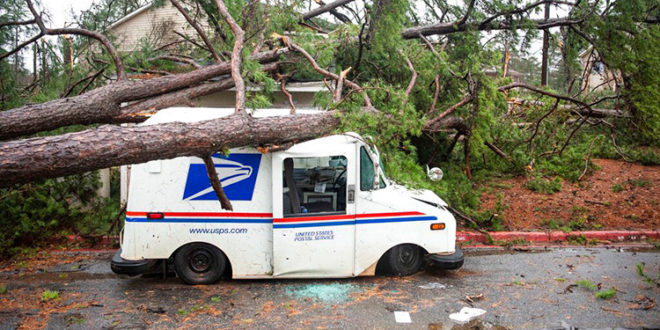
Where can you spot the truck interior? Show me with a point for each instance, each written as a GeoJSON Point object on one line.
{"type": "Point", "coordinates": [314, 185]}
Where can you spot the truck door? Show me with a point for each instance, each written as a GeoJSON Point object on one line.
{"type": "Point", "coordinates": [313, 215]}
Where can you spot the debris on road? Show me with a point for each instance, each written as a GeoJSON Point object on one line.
{"type": "Point", "coordinates": [642, 302]}
{"type": "Point", "coordinates": [471, 299]}
{"type": "Point", "coordinates": [466, 314]}
{"type": "Point", "coordinates": [328, 293]}
{"type": "Point", "coordinates": [433, 285]}
{"type": "Point", "coordinates": [402, 317]}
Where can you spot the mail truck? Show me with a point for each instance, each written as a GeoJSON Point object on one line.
{"type": "Point", "coordinates": [320, 208]}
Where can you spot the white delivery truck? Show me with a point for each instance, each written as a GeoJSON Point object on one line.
{"type": "Point", "coordinates": [321, 208]}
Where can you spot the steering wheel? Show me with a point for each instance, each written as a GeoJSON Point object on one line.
{"type": "Point", "coordinates": [342, 174]}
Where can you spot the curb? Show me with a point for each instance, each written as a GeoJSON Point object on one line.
{"type": "Point", "coordinates": [557, 236]}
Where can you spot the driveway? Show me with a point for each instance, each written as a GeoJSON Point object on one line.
{"type": "Point", "coordinates": [516, 289]}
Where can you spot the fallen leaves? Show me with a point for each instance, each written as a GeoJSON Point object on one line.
{"type": "Point", "coordinates": [642, 302]}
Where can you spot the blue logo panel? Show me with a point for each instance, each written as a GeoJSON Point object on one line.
{"type": "Point", "coordinates": [237, 174]}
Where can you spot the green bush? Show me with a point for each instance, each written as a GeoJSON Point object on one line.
{"type": "Point", "coordinates": [32, 213]}
{"type": "Point", "coordinates": [543, 185]}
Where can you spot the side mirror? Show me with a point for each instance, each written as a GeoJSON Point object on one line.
{"type": "Point", "coordinates": [434, 174]}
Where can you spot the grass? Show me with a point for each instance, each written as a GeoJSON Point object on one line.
{"type": "Point", "coordinates": [587, 285]}
{"type": "Point", "coordinates": [617, 188]}
{"type": "Point", "coordinates": [640, 183]}
{"type": "Point", "coordinates": [577, 239]}
{"type": "Point", "coordinates": [215, 299]}
{"type": "Point", "coordinates": [3, 289]}
{"type": "Point", "coordinates": [182, 312]}
{"type": "Point", "coordinates": [50, 295]}
{"type": "Point", "coordinates": [544, 186]}
{"type": "Point", "coordinates": [559, 279]}
{"type": "Point", "coordinates": [607, 294]}
{"type": "Point", "coordinates": [640, 271]}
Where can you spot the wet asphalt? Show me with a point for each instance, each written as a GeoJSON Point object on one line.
{"type": "Point", "coordinates": [516, 289]}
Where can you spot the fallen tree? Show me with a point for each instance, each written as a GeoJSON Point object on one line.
{"type": "Point", "coordinates": [380, 30]}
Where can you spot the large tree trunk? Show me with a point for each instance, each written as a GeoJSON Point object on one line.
{"type": "Point", "coordinates": [102, 105]}
{"type": "Point", "coordinates": [31, 159]}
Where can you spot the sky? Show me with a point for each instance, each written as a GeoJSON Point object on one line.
{"type": "Point", "coordinates": [60, 10]}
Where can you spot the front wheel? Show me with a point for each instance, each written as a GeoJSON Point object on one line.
{"type": "Point", "coordinates": [402, 260]}
{"type": "Point", "coordinates": [200, 263]}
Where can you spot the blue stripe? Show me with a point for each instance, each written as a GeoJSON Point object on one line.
{"type": "Point", "coordinates": [199, 220]}
{"type": "Point", "coordinates": [383, 220]}
{"type": "Point", "coordinates": [282, 226]}
{"type": "Point", "coordinates": [314, 224]}
{"type": "Point", "coordinates": [358, 222]}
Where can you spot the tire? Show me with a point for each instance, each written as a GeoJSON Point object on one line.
{"type": "Point", "coordinates": [200, 263]}
{"type": "Point", "coordinates": [403, 260]}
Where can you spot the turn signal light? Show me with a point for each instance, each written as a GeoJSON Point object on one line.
{"type": "Point", "coordinates": [437, 226]}
{"type": "Point", "coordinates": [155, 216]}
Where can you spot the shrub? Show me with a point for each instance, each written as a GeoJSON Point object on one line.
{"type": "Point", "coordinates": [32, 213]}
{"type": "Point", "coordinates": [544, 186]}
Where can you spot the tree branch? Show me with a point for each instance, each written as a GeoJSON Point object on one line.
{"type": "Point", "coordinates": [451, 27]}
{"type": "Point", "coordinates": [197, 28]}
{"type": "Point", "coordinates": [413, 79]}
{"type": "Point", "coordinates": [101, 38]}
{"type": "Point", "coordinates": [323, 9]}
{"type": "Point", "coordinates": [102, 104]}
{"type": "Point", "coordinates": [215, 183]}
{"type": "Point", "coordinates": [111, 145]}
{"type": "Point", "coordinates": [327, 73]}
{"type": "Point", "coordinates": [239, 36]}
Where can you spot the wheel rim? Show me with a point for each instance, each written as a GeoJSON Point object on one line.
{"type": "Point", "coordinates": [200, 261]}
{"type": "Point", "coordinates": [407, 255]}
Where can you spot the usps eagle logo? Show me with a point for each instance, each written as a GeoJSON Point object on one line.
{"type": "Point", "coordinates": [237, 174]}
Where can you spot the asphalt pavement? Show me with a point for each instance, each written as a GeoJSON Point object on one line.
{"type": "Point", "coordinates": [555, 289]}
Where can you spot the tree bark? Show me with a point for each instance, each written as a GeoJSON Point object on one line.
{"type": "Point", "coordinates": [215, 183]}
{"type": "Point", "coordinates": [325, 8]}
{"type": "Point", "coordinates": [452, 27]}
{"type": "Point", "coordinates": [102, 105]}
{"type": "Point", "coordinates": [32, 159]}
{"type": "Point", "coordinates": [546, 46]}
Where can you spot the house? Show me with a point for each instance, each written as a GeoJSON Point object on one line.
{"type": "Point", "coordinates": [516, 77]}
{"type": "Point", "coordinates": [158, 26]}
{"type": "Point", "coordinates": [597, 76]}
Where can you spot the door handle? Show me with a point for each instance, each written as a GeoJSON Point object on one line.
{"type": "Point", "coordinates": [350, 195]}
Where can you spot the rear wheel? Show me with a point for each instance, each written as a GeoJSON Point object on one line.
{"type": "Point", "coordinates": [402, 260]}
{"type": "Point", "coordinates": [200, 263]}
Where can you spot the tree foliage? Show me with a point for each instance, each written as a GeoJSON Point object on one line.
{"type": "Point", "coordinates": [441, 99]}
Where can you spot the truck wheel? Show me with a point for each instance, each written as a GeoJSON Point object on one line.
{"type": "Point", "coordinates": [200, 263]}
{"type": "Point", "coordinates": [403, 260]}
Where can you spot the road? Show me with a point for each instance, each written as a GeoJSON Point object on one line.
{"type": "Point", "coordinates": [516, 289]}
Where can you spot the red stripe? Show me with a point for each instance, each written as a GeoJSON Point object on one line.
{"type": "Point", "coordinates": [382, 215]}
{"type": "Point", "coordinates": [346, 216]}
{"type": "Point", "coordinates": [269, 215]}
{"type": "Point", "coordinates": [207, 214]}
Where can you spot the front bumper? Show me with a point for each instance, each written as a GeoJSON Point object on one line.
{"type": "Point", "coordinates": [120, 265]}
{"type": "Point", "coordinates": [452, 261]}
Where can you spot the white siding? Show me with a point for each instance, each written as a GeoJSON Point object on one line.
{"type": "Point", "coordinates": [157, 25]}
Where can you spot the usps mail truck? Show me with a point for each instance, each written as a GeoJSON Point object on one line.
{"type": "Point", "coordinates": [321, 208]}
